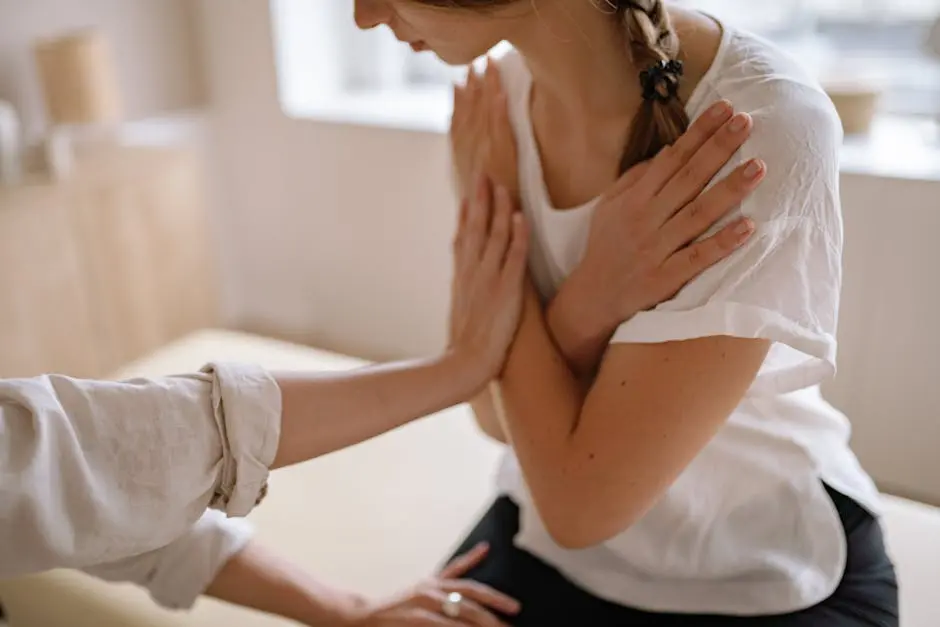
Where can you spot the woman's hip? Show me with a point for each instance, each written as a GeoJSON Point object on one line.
{"type": "Point", "coordinates": [866, 596]}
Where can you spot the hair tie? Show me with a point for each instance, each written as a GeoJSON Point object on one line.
{"type": "Point", "coordinates": [660, 81]}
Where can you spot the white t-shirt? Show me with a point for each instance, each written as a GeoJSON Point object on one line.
{"type": "Point", "coordinates": [748, 528]}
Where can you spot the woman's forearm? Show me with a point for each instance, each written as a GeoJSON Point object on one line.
{"type": "Point", "coordinates": [258, 579]}
{"type": "Point", "coordinates": [325, 412]}
{"type": "Point", "coordinates": [542, 400]}
{"type": "Point", "coordinates": [580, 330]}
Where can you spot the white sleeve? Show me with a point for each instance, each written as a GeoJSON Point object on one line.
{"type": "Point", "coordinates": [177, 574]}
{"type": "Point", "coordinates": [784, 284]}
{"type": "Point", "coordinates": [92, 472]}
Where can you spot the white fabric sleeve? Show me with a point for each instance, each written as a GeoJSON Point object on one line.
{"type": "Point", "coordinates": [177, 574]}
{"type": "Point", "coordinates": [93, 472]}
{"type": "Point", "coordinates": [784, 284]}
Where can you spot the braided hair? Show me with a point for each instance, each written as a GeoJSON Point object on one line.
{"type": "Point", "coordinates": [654, 47]}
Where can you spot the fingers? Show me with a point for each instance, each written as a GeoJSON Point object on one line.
{"type": "Point", "coordinates": [517, 257]}
{"type": "Point", "coordinates": [472, 613]}
{"type": "Point", "coordinates": [498, 123]}
{"type": "Point", "coordinates": [478, 221]}
{"type": "Point", "coordinates": [690, 262]}
{"type": "Point", "coordinates": [460, 235]}
{"type": "Point", "coordinates": [500, 230]}
{"type": "Point", "coordinates": [429, 618]}
{"type": "Point", "coordinates": [433, 599]}
{"type": "Point", "coordinates": [458, 115]}
{"type": "Point", "coordinates": [701, 214]}
{"type": "Point", "coordinates": [671, 158]}
{"type": "Point", "coordinates": [484, 596]}
{"type": "Point", "coordinates": [466, 562]}
{"type": "Point", "coordinates": [695, 175]}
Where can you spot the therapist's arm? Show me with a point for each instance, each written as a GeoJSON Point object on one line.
{"type": "Point", "coordinates": [92, 472]}
{"type": "Point", "coordinates": [219, 557]}
{"type": "Point", "coordinates": [326, 412]}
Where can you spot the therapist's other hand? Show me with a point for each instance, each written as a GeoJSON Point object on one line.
{"type": "Point", "coordinates": [490, 250]}
{"type": "Point", "coordinates": [646, 237]}
{"type": "Point", "coordinates": [423, 605]}
{"type": "Point", "coordinates": [481, 136]}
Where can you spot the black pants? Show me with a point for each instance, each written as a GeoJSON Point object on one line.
{"type": "Point", "coordinates": [866, 597]}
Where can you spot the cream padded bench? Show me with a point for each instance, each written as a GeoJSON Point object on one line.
{"type": "Point", "coordinates": [378, 516]}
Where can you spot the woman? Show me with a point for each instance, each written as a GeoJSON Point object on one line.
{"type": "Point", "coordinates": [672, 461]}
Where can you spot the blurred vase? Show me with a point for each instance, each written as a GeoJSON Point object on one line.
{"type": "Point", "coordinates": [82, 95]}
{"type": "Point", "coordinates": [79, 79]}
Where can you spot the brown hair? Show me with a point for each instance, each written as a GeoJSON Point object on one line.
{"type": "Point", "coordinates": [651, 41]}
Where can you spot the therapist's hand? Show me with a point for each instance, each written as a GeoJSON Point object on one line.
{"type": "Point", "coordinates": [423, 605]}
{"type": "Point", "coordinates": [490, 251]}
{"type": "Point", "coordinates": [644, 243]}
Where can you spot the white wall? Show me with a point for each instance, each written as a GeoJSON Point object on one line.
{"type": "Point", "coordinates": [341, 234]}
{"type": "Point", "coordinates": [154, 41]}
{"type": "Point", "coordinates": [889, 336]}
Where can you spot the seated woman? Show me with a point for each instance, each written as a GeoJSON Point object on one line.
{"type": "Point", "coordinates": [698, 478]}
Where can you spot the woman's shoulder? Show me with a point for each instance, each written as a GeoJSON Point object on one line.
{"type": "Point", "coordinates": [792, 112]}
{"type": "Point", "coordinates": [797, 131]}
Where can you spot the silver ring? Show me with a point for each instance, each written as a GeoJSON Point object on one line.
{"type": "Point", "coordinates": [451, 605]}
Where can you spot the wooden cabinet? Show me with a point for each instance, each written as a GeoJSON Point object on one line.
{"type": "Point", "coordinates": [106, 266]}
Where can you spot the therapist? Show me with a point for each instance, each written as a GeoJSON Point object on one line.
{"type": "Point", "coordinates": [147, 480]}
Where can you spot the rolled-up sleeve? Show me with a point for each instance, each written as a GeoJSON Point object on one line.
{"type": "Point", "coordinates": [97, 472]}
{"type": "Point", "coordinates": [177, 574]}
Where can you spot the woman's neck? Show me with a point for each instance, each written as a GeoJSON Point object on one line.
{"type": "Point", "coordinates": [579, 61]}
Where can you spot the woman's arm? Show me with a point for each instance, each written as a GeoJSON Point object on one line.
{"type": "Point", "coordinates": [482, 139]}
{"type": "Point", "coordinates": [609, 453]}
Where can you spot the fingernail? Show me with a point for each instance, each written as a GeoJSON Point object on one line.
{"type": "Point", "coordinates": [745, 227]}
{"type": "Point", "coordinates": [753, 169]}
{"type": "Point", "coordinates": [719, 109]}
{"type": "Point", "coordinates": [740, 122]}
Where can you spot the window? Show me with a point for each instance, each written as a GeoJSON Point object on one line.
{"type": "Point", "coordinates": [885, 42]}
{"type": "Point", "coordinates": [330, 70]}
{"type": "Point", "coordinates": [328, 66]}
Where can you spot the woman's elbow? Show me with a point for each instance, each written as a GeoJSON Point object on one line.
{"type": "Point", "coordinates": [577, 537]}
{"type": "Point", "coordinates": [584, 529]}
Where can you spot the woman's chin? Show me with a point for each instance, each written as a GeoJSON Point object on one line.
{"type": "Point", "coordinates": [455, 59]}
